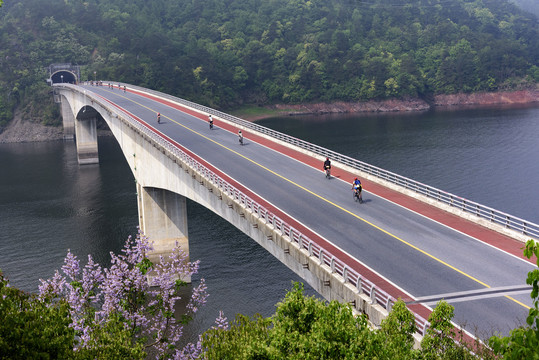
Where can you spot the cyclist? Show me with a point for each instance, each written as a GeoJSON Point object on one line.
{"type": "Point", "coordinates": [210, 119]}
{"type": "Point", "coordinates": [240, 137]}
{"type": "Point", "coordinates": [159, 118]}
{"type": "Point", "coordinates": [357, 187]}
{"type": "Point", "coordinates": [327, 167]}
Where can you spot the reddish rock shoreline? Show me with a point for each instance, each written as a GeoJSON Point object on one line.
{"type": "Point", "coordinates": [411, 104]}
{"type": "Point", "coordinates": [488, 98]}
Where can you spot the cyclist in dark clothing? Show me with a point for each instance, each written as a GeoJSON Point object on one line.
{"type": "Point", "coordinates": [327, 167]}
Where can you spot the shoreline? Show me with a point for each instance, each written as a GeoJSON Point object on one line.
{"type": "Point", "coordinates": [442, 102]}
{"type": "Point", "coordinates": [20, 130]}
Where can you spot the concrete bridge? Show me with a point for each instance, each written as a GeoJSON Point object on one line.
{"type": "Point", "coordinates": [408, 240]}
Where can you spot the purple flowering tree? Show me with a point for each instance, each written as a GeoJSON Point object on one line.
{"type": "Point", "coordinates": [128, 308]}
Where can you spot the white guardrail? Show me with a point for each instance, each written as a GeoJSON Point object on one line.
{"type": "Point", "coordinates": [350, 276]}
{"type": "Point", "coordinates": [514, 223]}
{"type": "Point", "coordinates": [337, 266]}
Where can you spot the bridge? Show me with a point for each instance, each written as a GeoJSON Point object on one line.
{"type": "Point", "coordinates": [407, 240]}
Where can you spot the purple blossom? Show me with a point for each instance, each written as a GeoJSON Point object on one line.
{"type": "Point", "coordinates": [52, 287]}
{"type": "Point", "coordinates": [221, 321]}
{"type": "Point", "coordinates": [123, 288]}
{"type": "Point", "coordinates": [190, 351]}
{"type": "Point", "coordinates": [71, 266]}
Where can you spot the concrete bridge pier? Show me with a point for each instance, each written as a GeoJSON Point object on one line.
{"type": "Point", "coordinates": [163, 219]}
{"type": "Point", "coordinates": [68, 119]}
{"type": "Point", "coordinates": [86, 136]}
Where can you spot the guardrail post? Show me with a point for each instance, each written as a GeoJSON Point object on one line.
{"type": "Point", "coordinates": [389, 304]}
{"type": "Point", "coordinates": [358, 284]}
{"type": "Point", "coordinates": [372, 295]}
{"type": "Point", "coordinates": [425, 328]}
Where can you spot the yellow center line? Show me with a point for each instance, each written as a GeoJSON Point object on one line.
{"type": "Point", "coordinates": [331, 203]}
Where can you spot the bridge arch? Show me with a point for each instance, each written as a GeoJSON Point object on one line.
{"type": "Point", "coordinates": [162, 205]}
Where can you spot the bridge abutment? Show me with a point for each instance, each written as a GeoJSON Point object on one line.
{"type": "Point", "coordinates": [163, 219]}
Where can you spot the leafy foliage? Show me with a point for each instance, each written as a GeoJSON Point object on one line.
{"type": "Point", "coordinates": [523, 342]}
{"type": "Point", "coordinates": [95, 313]}
{"type": "Point", "coordinates": [30, 329]}
{"type": "Point", "coordinates": [308, 328]}
{"type": "Point", "coordinates": [226, 52]}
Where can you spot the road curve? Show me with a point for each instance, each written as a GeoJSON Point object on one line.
{"type": "Point", "coordinates": [415, 248]}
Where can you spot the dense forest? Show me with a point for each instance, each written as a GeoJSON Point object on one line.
{"type": "Point", "coordinates": [529, 5]}
{"type": "Point", "coordinates": [224, 53]}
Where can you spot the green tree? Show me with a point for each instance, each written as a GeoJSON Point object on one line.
{"type": "Point", "coordinates": [523, 342]}
{"type": "Point", "coordinates": [309, 328]}
{"type": "Point", "coordinates": [273, 51]}
{"type": "Point", "coordinates": [32, 329]}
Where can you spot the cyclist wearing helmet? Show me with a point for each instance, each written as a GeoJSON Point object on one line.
{"type": "Point", "coordinates": [356, 187]}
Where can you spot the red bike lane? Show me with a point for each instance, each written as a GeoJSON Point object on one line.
{"type": "Point", "coordinates": [470, 228]}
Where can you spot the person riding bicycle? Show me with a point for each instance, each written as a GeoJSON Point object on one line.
{"type": "Point", "coordinates": [327, 167]}
{"type": "Point", "coordinates": [240, 137]}
{"type": "Point", "coordinates": [159, 118]}
{"type": "Point", "coordinates": [210, 119]}
{"type": "Point", "coordinates": [356, 187]}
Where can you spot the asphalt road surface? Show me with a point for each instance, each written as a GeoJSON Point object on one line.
{"type": "Point", "coordinates": [426, 259]}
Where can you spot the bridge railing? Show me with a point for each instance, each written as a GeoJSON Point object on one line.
{"type": "Point", "coordinates": [323, 256]}
{"type": "Point", "coordinates": [489, 214]}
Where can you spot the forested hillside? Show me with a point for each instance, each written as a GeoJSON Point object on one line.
{"type": "Point", "coordinates": [227, 52]}
{"type": "Point", "coordinates": [529, 5]}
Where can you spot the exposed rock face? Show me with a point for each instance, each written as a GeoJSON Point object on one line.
{"type": "Point", "coordinates": [19, 130]}
{"type": "Point", "coordinates": [411, 104]}
{"type": "Point", "coordinates": [490, 98]}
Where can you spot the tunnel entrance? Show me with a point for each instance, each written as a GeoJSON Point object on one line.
{"type": "Point", "coordinates": [64, 73]}
{"type": "Point", "coordinates": [64, 77]}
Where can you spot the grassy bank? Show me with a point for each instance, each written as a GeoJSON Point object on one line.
{"type": "Point", "coordinates": [253, 112]}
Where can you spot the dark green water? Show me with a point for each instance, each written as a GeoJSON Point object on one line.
{"type": "Point", "coordinates": [488, 155]}
{"type": "Point", "coordinates": [48, 203]}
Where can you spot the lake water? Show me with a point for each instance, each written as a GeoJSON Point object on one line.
{"type": "Point", "coordinates": [48, 203]}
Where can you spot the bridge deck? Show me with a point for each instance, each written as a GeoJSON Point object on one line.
{"type": "Point", "coordinates": [408, 248]}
